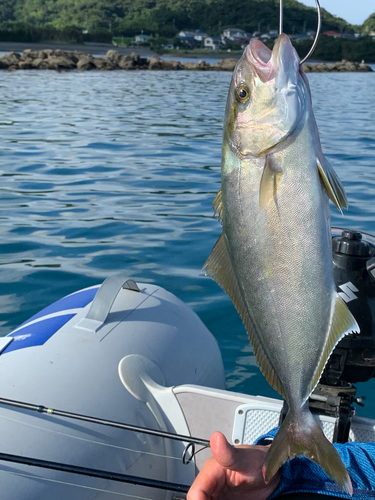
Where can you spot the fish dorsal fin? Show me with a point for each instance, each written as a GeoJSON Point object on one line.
{"type": "Point", "coordinates": [218, 205]}
{"type": "Point", "coordinates": [219, 267]}
{"type": "Point", "coordinates": [269, 183]}
{"type": "Point", "coordinates": [342, 323]}
{"type": "Point", "coordinates": [332, 184]}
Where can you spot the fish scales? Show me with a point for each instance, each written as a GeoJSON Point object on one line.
{"type": "Point", "coordinates": [262, 265]}
{"type": "Point", "coordinates": [274, 256]}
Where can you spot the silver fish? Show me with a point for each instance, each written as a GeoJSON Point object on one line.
{"type": "Point", "coordinates": [274, 256]}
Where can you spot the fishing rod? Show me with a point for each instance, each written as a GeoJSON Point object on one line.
{"type": "Point", "coordinates": [189, 448]}
{"type": "Point", "coordinates": [101, 474]}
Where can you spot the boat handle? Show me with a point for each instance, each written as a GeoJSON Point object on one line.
{"type": "Point", "coordinates": [107, 293]}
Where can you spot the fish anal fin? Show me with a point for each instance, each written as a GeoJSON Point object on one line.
{"type": "Point", "coordinates": [332, 183]}
{"type": "Point", "coordinates": [219, 267]}
{"type": "Point", "coordinates": [303, 436]}
{"type": "Point", "coordinates": [342, 323]}
{"type": "Point", "coordinates": [269, 183]}
{"type": "Point", "coordinates": [218, 205]}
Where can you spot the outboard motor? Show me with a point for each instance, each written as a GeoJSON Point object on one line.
{"type": "Point", "coordinates": [353, 359]}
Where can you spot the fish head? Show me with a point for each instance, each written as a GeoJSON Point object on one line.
{"type": "Point", "coordinates": [267, 98]}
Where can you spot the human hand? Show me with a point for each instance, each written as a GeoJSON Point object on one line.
{"type": "Point", "coordinates": [233, 473]}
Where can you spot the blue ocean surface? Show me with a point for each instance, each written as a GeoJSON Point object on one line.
{"type": "Point", "coordinates": [117, 171]}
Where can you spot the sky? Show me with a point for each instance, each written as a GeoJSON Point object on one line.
{"type": "Point", "coordinates": [353, 11]}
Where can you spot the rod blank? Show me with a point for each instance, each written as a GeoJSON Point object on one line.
{"type": "Point", "coordinates": [102, 421]}
{"type": "Point", "coordinates": [85, 471]}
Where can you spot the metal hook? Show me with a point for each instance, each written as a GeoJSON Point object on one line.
{"type": "Point", "coordinates": [281, 18]}
{"type": "Point", "coordinates": [317, 29]}
{"type": "Point", "coordinates": [317, 32]}
{"type": "Point", "coordinates": [186, 459]}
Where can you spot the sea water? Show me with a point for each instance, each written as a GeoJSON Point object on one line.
{"type": "Point", "coordinates": [105, 172]}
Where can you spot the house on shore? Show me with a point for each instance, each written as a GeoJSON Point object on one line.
{"type": "Point", "coordinates": [213, 42]}
{"type": "Point", "coordinates": [235, 36]}
{"type": "Point", "coordinates": [335, 34]}
{"type": "Point", "coordinates": [234, 33]}
{"type": "Point", "coordinates": [192, 39]}
{"type": "Point", "coordinates": [141, 39]}
{"type": "Point", "coordinates": [200, 36]}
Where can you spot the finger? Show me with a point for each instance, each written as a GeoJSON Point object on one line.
{"type": "Point", "coordinates": [210, 480]}
{"type": "Point", "coordinates": [246, 460]}
{"type": "Point", "coordinates": [224, 453]}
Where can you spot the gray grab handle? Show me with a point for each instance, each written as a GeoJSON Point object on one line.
{"type": "Point", "coordinates": [104, 299]}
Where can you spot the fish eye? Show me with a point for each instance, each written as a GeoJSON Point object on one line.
{"type": "Point", "coordinates": [242, 93]}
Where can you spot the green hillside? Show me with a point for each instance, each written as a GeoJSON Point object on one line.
{"type": "Point", "coordinates": [76, 21]}
{"type": "Point", "coordinates": [369, 24]}
{"type": "Point", "coordinates": [163, 17]}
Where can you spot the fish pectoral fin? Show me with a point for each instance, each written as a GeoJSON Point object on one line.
{"type": "Point", "coordinates": [269, 184]}
{"type": "Point", "coordinates": [332, 184]}
{"type": "Point", "coordinates": [219, 267]}
{"type": "Point", "coordinates": [342, 323]}
{"type": "Point", "coordinates": [218, 205]}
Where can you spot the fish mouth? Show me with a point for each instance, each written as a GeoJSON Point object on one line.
{"type": "Point", "coordinates": [282, 61]}
{"type": "Point", "coordinates": [260, 58]}
{"type": "Point", "coordinates": [259, 52]}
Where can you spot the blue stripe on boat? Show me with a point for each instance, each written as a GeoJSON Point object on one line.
{"type": "Point", "coordinates": [38, 333]}
{"type": "Point", "coordinates": [73, 301]}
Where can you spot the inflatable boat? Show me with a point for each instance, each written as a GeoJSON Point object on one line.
{"type": "Point", "coordinates": [114, 391]}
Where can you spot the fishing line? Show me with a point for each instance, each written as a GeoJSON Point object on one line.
{"type": "Point", "coordinates": [281, 18]}
{"type": "Point", "coordinates": [86, 418]}
{"type": "Point", "coordinates": [66, 483]}
{"type": "Point", "coordinates": [65, 434]}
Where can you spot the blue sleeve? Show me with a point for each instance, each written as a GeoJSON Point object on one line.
{"type": "Point", "coordinates": [303, 475]}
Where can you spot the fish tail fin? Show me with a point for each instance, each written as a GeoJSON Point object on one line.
{"type": "Point", "coordinates": [308, 439]}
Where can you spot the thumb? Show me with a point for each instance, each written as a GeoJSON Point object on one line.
{"type": "Point", "coordinates": [224, 453]}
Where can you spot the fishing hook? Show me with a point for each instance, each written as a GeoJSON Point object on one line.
{"type": "Point", "coordinates": [317, 32]}
{"type": "Point", "coordinates": [313, 47]}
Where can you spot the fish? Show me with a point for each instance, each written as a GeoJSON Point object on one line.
{"type": "Point", "coordinates": [274, 255]}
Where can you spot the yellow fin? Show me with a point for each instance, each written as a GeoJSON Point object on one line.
{"type": "Point", "coordinates": [218, 204]}
{"type": "Point", "coordinates": [219, 267]}
{"type": "Point", "coordinates": [342, 323]}
{"type": "Point", "coordinates": [332, 184]}
{"type": "Point", "coordinates": [268, 184]}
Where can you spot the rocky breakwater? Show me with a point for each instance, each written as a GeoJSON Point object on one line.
{"type": "Point", "coordinates": [341, 67]}
{"type": "Point", "coordinates": [62, 60]}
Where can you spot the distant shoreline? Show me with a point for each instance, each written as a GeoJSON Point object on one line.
{"type": "Point", "coordinates": [88, 48]}
{"type": "Point", "coordinates": [102, 48]}
{"type": "Point", "coordinates": [88, 56]}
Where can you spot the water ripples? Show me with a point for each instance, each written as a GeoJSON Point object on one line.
{"type": "Point", "coordinates": [106, 172]}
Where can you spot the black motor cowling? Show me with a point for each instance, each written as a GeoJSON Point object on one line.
{"type": "Point", "coordinates": [353, 360]}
